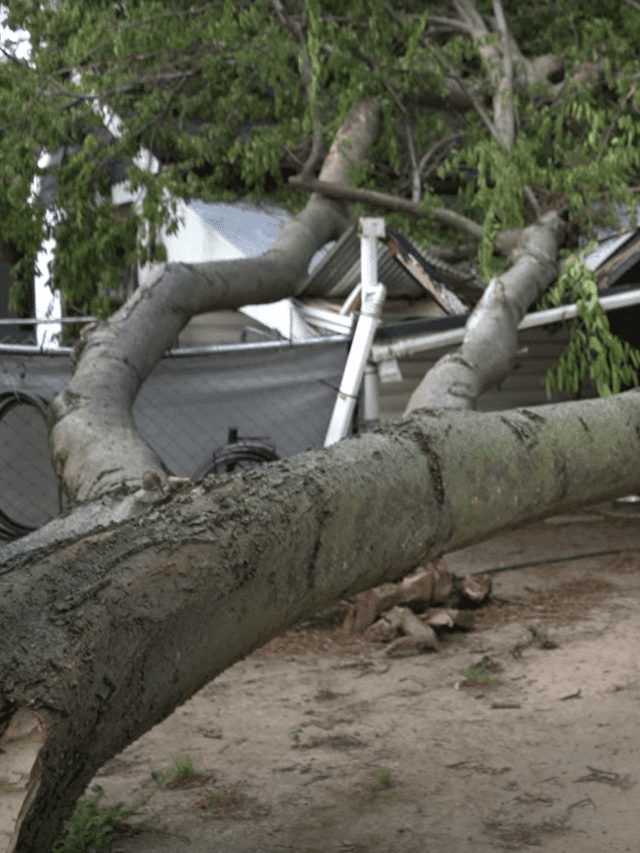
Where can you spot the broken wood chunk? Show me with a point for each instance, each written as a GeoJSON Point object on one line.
{"type": "Point", "coordinates": [369, 605]}
{"type": "Point", "coordinates": [424, 635]}
{"type": "Point", "coordinates": [418, 636]}
{"type": "Point", "coordinates": [428, 585]}
{"type": "Point", "coordinates": [417, 589]}
{"type": "Point", "coordinates": [418, 586]}
{"type": "Point", "coordinates": [442, 583]}
{"type": "Point", "coordinates": [475, 588]}
{"type": "Point", "coordinates": [449, 617]}
{"type": "Point", "coordinates": [387, 627]}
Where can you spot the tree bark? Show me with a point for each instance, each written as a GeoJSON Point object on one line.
{"type": "Point", "coordinates": [488, 351]}
{"type": "Point", "coordinates": [93, 442]}
{"type": "Point", "coordinates": [102, 637]}
{"type": "Point", "coordinates": [104, 632]}
{"type": "Point", "coordinates": [390, 202]}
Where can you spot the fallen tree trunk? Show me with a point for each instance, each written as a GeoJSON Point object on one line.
{"type": "Point", "coordinates": [93, 442]}
{"type": "Point", "coordinates": [102, 637]}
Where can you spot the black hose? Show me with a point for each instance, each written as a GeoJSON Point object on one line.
{"type": "Point", "coordinates": [245, 453]}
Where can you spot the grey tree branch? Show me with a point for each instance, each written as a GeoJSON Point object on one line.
{"type": "Point", "coordinates": [416, 183]}
{"type": "Point", "coordinates": [93, 441]}
{"type": "Point", "coordinates": [482, 115]}
{"type": "Point", "coordinates": [489, 347]}
{"type": "Point", "coordinates": [435, 148]}
{"type": "Point", "coordinates": [532, 200]}
{"type": "Point", "coordinates": [504, 116]}
{"type": "Point", "coordinates": [501, 80]}
{"type": "Point", "coordinates": [391, 202]}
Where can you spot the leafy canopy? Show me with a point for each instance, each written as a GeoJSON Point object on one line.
{"type": "Point", "coordinates": [217, 91]}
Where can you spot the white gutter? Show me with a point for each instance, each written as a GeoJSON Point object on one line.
{"type": "Point", "coordinates": [412, 344]}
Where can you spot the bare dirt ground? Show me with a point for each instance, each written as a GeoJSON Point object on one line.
{"type": "Point", "coordinates": [319, 742]}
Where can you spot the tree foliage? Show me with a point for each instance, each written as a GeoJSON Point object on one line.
{"type": "Point", "coordinates": [228, 96]}
{"type": "Point", "coordinates": [593, 350]}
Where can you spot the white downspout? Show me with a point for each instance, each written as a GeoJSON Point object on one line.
{"type": "Point", "coordinates": [48, 305]}
{"type": "Point", "coordinates": [373, 296]}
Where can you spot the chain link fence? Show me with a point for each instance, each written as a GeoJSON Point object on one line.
{"type": "Point", "coordinates": [195, 401]}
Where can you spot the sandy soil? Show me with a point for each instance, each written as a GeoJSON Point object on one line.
{"type": "Point", "coordinates": [319, 743]}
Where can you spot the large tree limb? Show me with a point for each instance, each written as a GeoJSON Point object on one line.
{"type": "Point", "coordinates": [94, 445]}
{"type": "Point", "coordinates": [391, 202]}
{"type": "Point", "coordinates": [488, 350]}
{"type": "Point", "coordinates": [503, 110]}
{"type": "Point", "coordinates": [102, 637]}
{"type": "Point", "coordinates": [498, 64]}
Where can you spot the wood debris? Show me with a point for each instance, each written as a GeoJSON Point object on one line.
{"type": "Point", "coordinates": [407, 614]}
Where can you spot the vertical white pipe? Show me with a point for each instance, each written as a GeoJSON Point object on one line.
{"type": "Point", "coordinates": [356, 362]}
{"type": "Point", "coordinates": [48, 305]}
{"type": "Point", "coordinates": [373, 296]}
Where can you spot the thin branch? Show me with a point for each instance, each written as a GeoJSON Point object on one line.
{"type": "Point", "coordinates": [503, 115]}
{"type": "Point", "coordinates": [78, 98]}
{"type": "Point", "coordinates": [533, 201]}
{"type": "Point", "coordinates": [633, 4]}
{"type": "Point", "coordinates": [416, 187]}
{"type": "Point", "coordinates": [433, 149]}
{"type": "Point", "coordinates": [393, 94]}
{"type": "Point", "coordinates": [609, 130]}
{"type": "Point", "coordinates": [154, 121]}
{"type": "Point", "coordinates": [317, 146]}
{"type": "Point", "coordinates": [470, 17]}
{"type": "Point", "coordinates": [503, 29]}
{"type": "Point", "coordinates": [451, 24]}
{"type": "Point", "coordinates": [391, 202]}
{"type": "Point", "coordinates": [484, 118]}
{"type": "Point", "coordinates": [134, 60]}
{"type": "Point", "coordinates": [293, 156]}
{"type": "Point", "coordinates": [118, 25]}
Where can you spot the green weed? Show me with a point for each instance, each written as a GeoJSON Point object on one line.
{"type": "Point", "coordinates": [383, 777]}
{"type": "Point", "coordinates": [182, 767]}
{"type": "Point", "coordinates": [380, 778]}
{"type": "Point", "coordinates": [90, 828]}
{"type": "Point", "coordinates": [326, 692]}
{"type": "Point", "coordinates": [481, 671]}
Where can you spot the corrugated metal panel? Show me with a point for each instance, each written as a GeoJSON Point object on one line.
{"type": "Point", "coordinates": [339, 271]}
{"type": "Point", "coordinates": [624, 259]}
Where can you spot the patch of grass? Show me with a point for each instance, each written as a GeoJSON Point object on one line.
{"type": "Point", "coordinates": [181, 772]}
{"type": "Point", "coordinates": [295, 735]}
{"type": "Point", "coordinates": [90, 828]}
{"type": "Point", "coordinates": [182, 767]}
{"type": "Point", "coordinates": [378, 781]}
{"type": "Point", "coordinates": [383, 778]}
{"type": "Point", "coordinates": [481, 671]}
{"type": "Point", "coordinates": [223, 802]}
{"type": "Point", "coordinates": [325, 692]}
